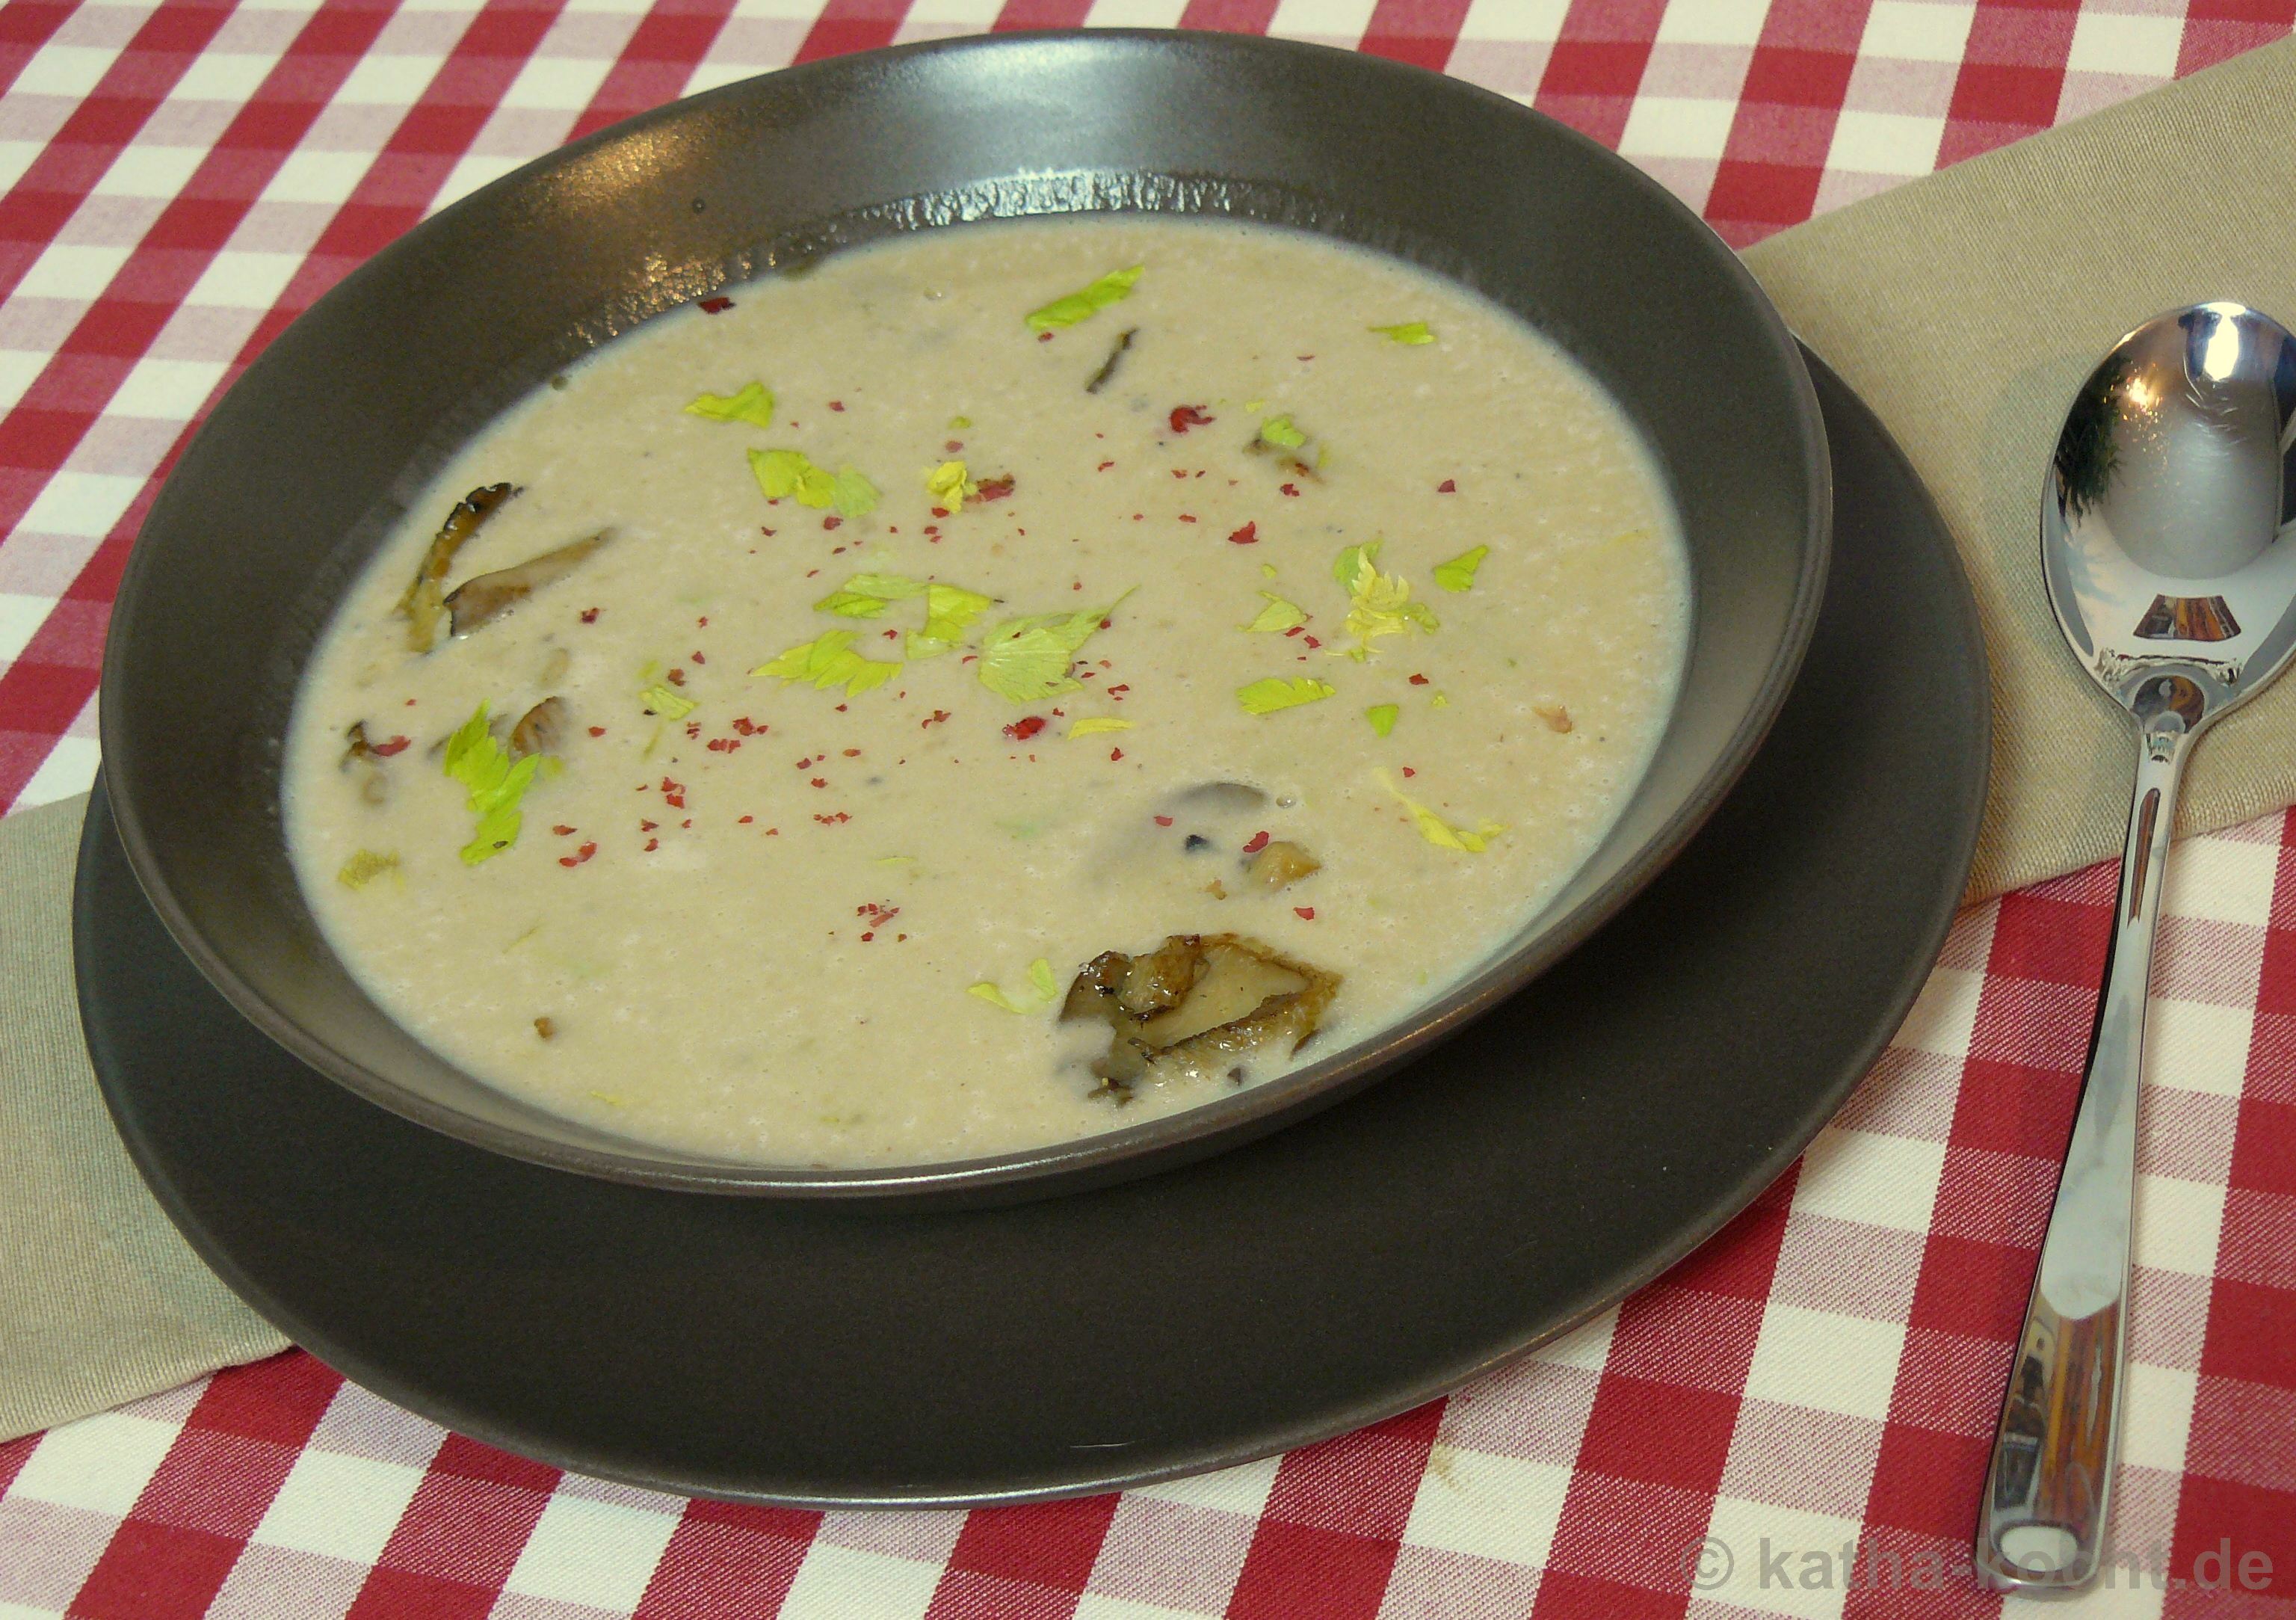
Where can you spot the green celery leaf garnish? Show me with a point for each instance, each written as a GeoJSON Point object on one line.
{"type": "Point", "coordinates": [830, 661]}
{"type": "Point", "coordinates": [1266, 696]}
{"type": "Point", "coordinates": [1279, 432]}
{"type": "Point", "coordinates": [496, 783]}
{"type": "Point", "coordinates": [949, 611]}
{"type": "Point", "coordinates": [1026, 660]}
{"type": "Point", "coordinates": [1103, 723]}
{"type": "Point", "coordinates": [363, 867]}
{"type": "Point", "coordinates": [1378, 605]}
{"type": "Point", "coordinates": [1042, 988]}
{"type": "Point", "coordinates": [1278, 616]}
{"type": "Point", "coordinates": [1110, 289]}
{"type": "Point", "coordinates": [791, 472]}
{"type": "Point", "coordinates": [1409, 331]}
{"type": "Point", "coordinates": [1439, 832]}
{"type": "Point", "coordinates": [1459, 573]}
{"type": "Point", "coordinates": [948, 486]}
{"type": "Point", "coordinates": [852, 493]}
{"type": "Point", "coordinates": [667, 702]}
{"type": "Point", "coordinates": [868, 596]}
{"type": "Point", "coordinates": [754, 404]}
{"type": "Point", "coordinates": [1382, 717]}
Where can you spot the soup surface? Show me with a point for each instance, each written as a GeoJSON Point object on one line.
{"type": "Point", "coordinates": [826, 676]}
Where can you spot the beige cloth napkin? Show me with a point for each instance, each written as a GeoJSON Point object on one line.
{"type": "Point", "coordinates": [1965, 308]}
{"type": "Point", "coordinates": [100, 1299]}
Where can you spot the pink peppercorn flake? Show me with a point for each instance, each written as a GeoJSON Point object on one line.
{"type": "Point", "coordinates": [578, 856]}
{"type": "Point", "coordinates": [832, 521]}
{"type": "Point", "coordinates": [597, 731]}
{"type": "Point", "coordinates": [1185, 416]}
{"type": "Point", "coordinates": [1450, 486]}
{"type": "Point", "coordinates": [1259, 842]}
{"type": "Point", "coordinates": [1305, 913]}
{"type": "Point", "coordinates": [1021, 731]}
{"type": "Point", "coordinates": [994, 489]}
{"type": "Point", "coordinates": [1293, 490]}
{"type": "Point", "coordinates": [1116, 754]}
{"type": "Point", "coordinates": [397, 745]}
{"type": "Point", "coordinates": [716, 306]}
{"type": "Point", "coordinates": [836, 405]}
{"type": "Point", "coordinates": [563, 830]}
{"type": "Point", "coordinates": [1164, 821]}
{"type": "Point", "coordinates": [589, 615]}
{"type": "Point", "coordinates": [1419, 680]}
{"type": "Point", "coordinates": [1249, 535]}
{"type": "Point", "coordinates": [1044, 337]}
{"type": "Point", "coordinates": [651, 844]}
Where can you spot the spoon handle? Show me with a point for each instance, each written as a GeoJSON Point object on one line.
{"type": "Point", "coordinates": [2041, 1524]}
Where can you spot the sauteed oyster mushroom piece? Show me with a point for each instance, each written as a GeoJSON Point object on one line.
{"type": "Point", "coordinates": [540, 729]}
{"type": "Point", "coordinates": [482, 600]}
{"type": "Point", "coordinates": [1196, 1007]}
{"type": "Point", "coordinates": [425, 602]}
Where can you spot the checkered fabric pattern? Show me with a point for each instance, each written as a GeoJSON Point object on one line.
{"type": "Point", "coordinates": [1793, 1422]}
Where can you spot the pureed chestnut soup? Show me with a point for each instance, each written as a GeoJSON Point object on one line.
{"type": "Point", "coordinates": [1004, 684]}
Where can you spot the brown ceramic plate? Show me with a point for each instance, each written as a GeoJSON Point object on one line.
{"type": "Point", "coordinates": [1558, 1154]}
{"type": "Point", "coordinates": [308, 463]}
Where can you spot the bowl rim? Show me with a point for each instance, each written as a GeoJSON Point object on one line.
{"type": "Point", "coordinates": [1186, 1134]}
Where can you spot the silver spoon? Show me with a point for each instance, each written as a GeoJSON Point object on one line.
{"type": "Point", "coordinates": [2171, 564]}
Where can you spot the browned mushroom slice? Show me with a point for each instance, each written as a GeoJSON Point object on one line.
{"type": "Point", "coordinates": [1280, 865]}
{"type": "Point", "coordinates": [1197, 1005]}
{"type": "Point", "coordinates": [360, 758]}
{"type": "Point", "coordinates": [540, 729]}
{"type": "Point", "coordinates": [487, 597]}
{"type": "Point", "coordinates": [425, 599]}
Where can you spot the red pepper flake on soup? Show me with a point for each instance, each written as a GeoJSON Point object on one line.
{"type": "Point", "coordinates": [1185, 416]}
{"type": "Point", "coordinates": [1249, 535]}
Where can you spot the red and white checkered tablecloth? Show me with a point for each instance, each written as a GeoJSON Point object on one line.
{"type": "Point", "coordinates": [1793, 1422]}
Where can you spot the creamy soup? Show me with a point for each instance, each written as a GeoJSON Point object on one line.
{"type": "Point", "coordinates": [1006, 683]}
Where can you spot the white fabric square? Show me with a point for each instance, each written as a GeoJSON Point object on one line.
{"type": "Point", "coordinates": [2156, 1416]}
{"type": "Point", "coordinates": [76, 271]}
{"type": "Point", "coordinates": [593, 1552]}
{"type": "Point", "coordinates": [222, 75]}
{"type": "Point", "coordinates": [469, 174]}
{"type": "Point", "coordinates": [2197, 1046]}
{"type": "Point", "coordinates": [16, 157]}
{"type": "Point", "coordinates": [1242, 1489]}
{"type": "Point", "coordinates": [338, 1506]}
{"type": "Point", "coordinates": [1872, 1178]}
{"type": "Point", "coordinates": [1773, 1560]}
{"type": "Point", "coordinates": [387, 81]}
{"type": "Point", "coordinates": [2222, 879]}
{"type": "Point", "coordinates": [1515, 21]}
{"type": "Point", "coordinates": [1945, 1013]}
{"type": "Point", "coordinates": [1098, 1606]}
{"type": "Point", "coordinates": [147, 171]}
{"type": "Point", "coordinates": [1835, 1363]}
{"type": "Point", "coordinates": [100, 1464]}
{"type": "Point", "coordinates": [2120, 42]}
{"type": "Point", "coordinates": [1917, 30]}
{"type": "Point", "coordinates": [68, 769]}
{"type": "Point", "coordinates": [18, 368]}
{"type": "Point", "coordinates": [1731, 22]}
{"type": "Point", "coordinates": [1322, 18]}
{"type": "Point", "coordinates": [236, 279]}
{"type": "Point", "coordinates": [317, 176]}
{"type": "Point", "coordinates": [556, 84]}
{"type": "Point", "coordinates": [1587, 1345]}
{"type": "Point", "coordinates": [2176, 1225]}
{"type": "Point", "coordinates": [1677, 126]}
{"type": "Point", "coordinates": [1135, 14]}
{"type": "Point", "coordinates": [19, 616]}
{"type": "Point", "coordinates": [839, 1583]}
{"type": "Point", "coordinates": [171, 390]}
{"type": "Point", "coordinates": [1494, 1507]}
{"type": "Point", "coordinates": [86, 505]}
{"type": "Point", "coordinates": [63, 70]}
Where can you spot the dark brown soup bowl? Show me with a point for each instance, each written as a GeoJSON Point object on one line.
{"type": "Point", "coordinates": [305, 467]}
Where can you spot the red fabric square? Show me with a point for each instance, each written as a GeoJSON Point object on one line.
{"type": "Point", "coordinates": [727, 1559]}
{"type": "Point", "coordinates": [1798, 78]}
{"type": "Point", "coordinates": [406, 1594]}
{"type": "Point", "coordinates": [1042, 14]}
{"type": "Point", "coordinates": [1229, 16]}
{"type": "Point", "coordinates": [1422, 32]}
{"type": "Point", "coordinates": [2234, 1542]}
{"type": "Point", "coordinates": [280, 1399]}
{"type": "Point", "coordinates": [1293, 1570]}
{"type": "Point", "coordinates": [1565, 1596]}
{"type": "Point", "coordinates": [1048, 1543]}
{"type": "Point", "coordinates": [2054, 939]}
{"type": "Point", "coordinates": [968, 1594]}
{"type": "Point", "coordinates": [863, 25]}
{"type": "Point", "coordinates": [2264, 1146]}
{"type": "Point", "coordinates": [1595, 67]}
{"type": "Point", "coordinates": [1929, 1481]}
{"type": "Point", "coordinates": [2251, 1335]}
{"type": "Point", "coordinates": [1659, 1433]}
{"type": "Point", "coordinates": [1972, 1288]}
{"type": "Point", "coordinates": [1364, 1483]}
{"type": "Point", "coordinates": [155, 1571]}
